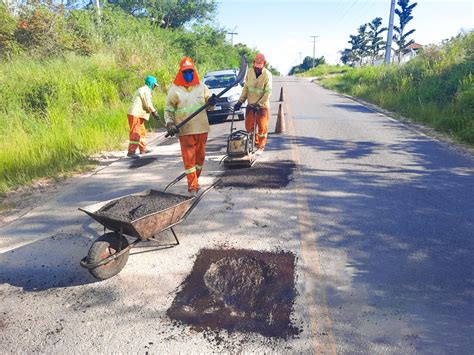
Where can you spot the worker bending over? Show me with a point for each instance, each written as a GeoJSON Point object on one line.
{"type": "Point", "coordinates": [257, 91]}
{"type": "Point", "coordinates": [138, 113]}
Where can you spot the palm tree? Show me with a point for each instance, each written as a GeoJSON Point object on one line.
{"type": "Point", "coordinates": [376, 43]}
{"type": "Point", "coordinates": [404, 16]}
{"type": "Point", "coordinates": [359, 43]}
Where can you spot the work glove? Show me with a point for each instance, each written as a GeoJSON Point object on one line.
{"type": "Point", "coordinates": [254, 107]}
{"type": "Point", "coordinates": [237, 106]}
{"type": "Point", "coordinates": [212, 100]}
{"type": "Point", "coordinates": [171, 128]}
{"type": "Point", "coordinates": [155, 115]}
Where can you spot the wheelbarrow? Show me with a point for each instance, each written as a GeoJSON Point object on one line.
{"type": "Point", "coordinates": [109, 253]}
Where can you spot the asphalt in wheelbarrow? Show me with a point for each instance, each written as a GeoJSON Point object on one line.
{"type": "Point", "coordinates": [133, 207]}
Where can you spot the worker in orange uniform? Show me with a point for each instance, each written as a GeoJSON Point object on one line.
{"type": "Point", "coordinates": [186, 96]}
{"type": "Point", "coordinates": [138, 113]}
{"type": "Point", "coordinates": [257, 90]}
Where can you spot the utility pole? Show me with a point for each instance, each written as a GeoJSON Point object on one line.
{"type": "Point", "coordinates": [301, 62]}
{"type": "Point", "coordinates": [97, 5]}
{"type": "Point", "coordinates": [314, 47]}
{"type": "Point", "coordinates": [232, 36]}
{"type": "Point", "coordinates": [388, 48]}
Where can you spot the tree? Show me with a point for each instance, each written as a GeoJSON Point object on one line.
{"type": "Point", "coordinates": [376, 42]}
{"type": "Point", "coordinates": [273, 70]}
{"type": "Point", "coordinates": [7, 30]}
{"type": "Point", "coordinates": [307, 65]}
{"type": "Point", "coordinates": [347, 57]}
{"type": "Point", "coordinates": [42, 31]}
{"type": "Point", "coordinates": [359, 43]}
{"type": "Point", "coordinates": [404, 17]}
{"type": "Point", "coordinates": [170, 13]}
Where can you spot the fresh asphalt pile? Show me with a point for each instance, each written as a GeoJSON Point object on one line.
{"type": "Point", "coordinates": [130, 208]}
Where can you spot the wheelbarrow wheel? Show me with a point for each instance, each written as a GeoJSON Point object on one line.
{"type": "Point", "coordinates": [103, 247]}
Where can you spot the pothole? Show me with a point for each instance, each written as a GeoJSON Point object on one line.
{"type": "Point", "coordinates": [239, 290]}
{"type": "Point", "coordinates": [271, 175]}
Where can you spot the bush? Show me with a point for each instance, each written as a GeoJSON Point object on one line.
{"type": "Point", "coordinates": [7, 31]}
{"type": "Point", "coordinates": [435, 88]}
{"type": "Point", "coordinates": [42, 32]}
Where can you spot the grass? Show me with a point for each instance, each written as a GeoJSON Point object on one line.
{"type": "Point", "coordinates": [436, 88]}
{"type": "Point", "coordinates": [54, 122]}
{"type": "Point", "coordinates": [325, 70]}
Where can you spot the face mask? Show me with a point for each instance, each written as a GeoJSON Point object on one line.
{"type": "Point", "coordinates": [188, 76]}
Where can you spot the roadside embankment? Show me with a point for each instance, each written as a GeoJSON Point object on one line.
{"type": "Point", "coordinates": [435, 89]}
{"type": "Point", "coordinates": [66, 86]}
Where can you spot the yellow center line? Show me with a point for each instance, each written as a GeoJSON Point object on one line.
{"type": "Point", "coordinates": [321, 324]}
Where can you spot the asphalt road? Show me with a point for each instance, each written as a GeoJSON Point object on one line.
{"type": "Point", "coordinates": [378, 216]}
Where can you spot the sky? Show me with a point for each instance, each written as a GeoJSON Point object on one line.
{"type": "Point", "coordinates": [281, 29]}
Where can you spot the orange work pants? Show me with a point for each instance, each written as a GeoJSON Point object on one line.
{"type": "Point", "coordinates": [137, 134]}
{"type": "Point", "coordinates": [262, 125]}
{"type": "Point", "coordinates": [193, 151]}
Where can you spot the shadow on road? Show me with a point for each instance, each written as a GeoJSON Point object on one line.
{"type": "Point", "coordinates": [352, 108]}
{"type": "Point", "coordinates": [47, 263]}
{"type": "Point", "coordinates": [340, 148]}
{"type": "Point", "coordinates": [404, 233]}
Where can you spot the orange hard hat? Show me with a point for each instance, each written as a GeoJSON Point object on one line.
{"type": "Point", "coordinates": [259, 61]}
{"type": "Point", "coordinates": [186, 63]}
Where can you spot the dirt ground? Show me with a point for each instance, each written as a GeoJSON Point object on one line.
{"type": "Point", "coordinates": [25, 198]}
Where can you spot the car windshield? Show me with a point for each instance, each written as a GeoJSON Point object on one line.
{"type": "Point", "coordinates": [219, 81]}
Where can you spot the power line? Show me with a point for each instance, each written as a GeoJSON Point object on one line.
{"type": "Point", "coordinates": [340, 9]}
{"type": "Point", "coordinates": [349, 9]}
{"type": "Point", "coordinates": [338, 6]}
{"type": "Point", "coordinates": [363, 8]}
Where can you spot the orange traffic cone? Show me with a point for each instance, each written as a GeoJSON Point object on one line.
{"type": "Point", "coordinates": [281, 94]}
{"type": "Point", "coordinates": [280, 125]}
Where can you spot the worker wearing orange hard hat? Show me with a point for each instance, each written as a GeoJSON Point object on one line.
{"type": "Point", "coordinates": [257, 91]}
{"type": "Point", "coordinates": [187, 95]}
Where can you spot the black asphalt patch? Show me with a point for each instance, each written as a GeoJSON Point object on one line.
{"type": "Point", "coordinates": [239, 290]}
{"type": "Point", "coordinates": [271, 175]}
{"type": "Point", "coordinates": [139, 162]}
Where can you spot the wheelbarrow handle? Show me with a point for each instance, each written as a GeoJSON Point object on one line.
{"type": "Point", "coordinates": [200, 196]}
{"type": "Point", "coordinates": [174, 181]}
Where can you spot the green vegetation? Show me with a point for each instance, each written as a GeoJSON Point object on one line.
{"type": "Point", "coordinates": [307, 64]}
{"type": "Point", "coordinates": [325, 70]}
{"type": "Point", "coordinates": [367, 46]}
{"type": "Point", "coordinates": [401, 34]}
{"type": "Point", "coordinates": [66, 80]}
{"type": "Point", "coordinates": [435, 88]}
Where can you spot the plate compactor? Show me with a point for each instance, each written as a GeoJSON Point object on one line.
{"type": "Point", "coordinates": [241, 146]}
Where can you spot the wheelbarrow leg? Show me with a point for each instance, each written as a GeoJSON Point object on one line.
{"type": "Point", "coordinates": [174, 235]}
